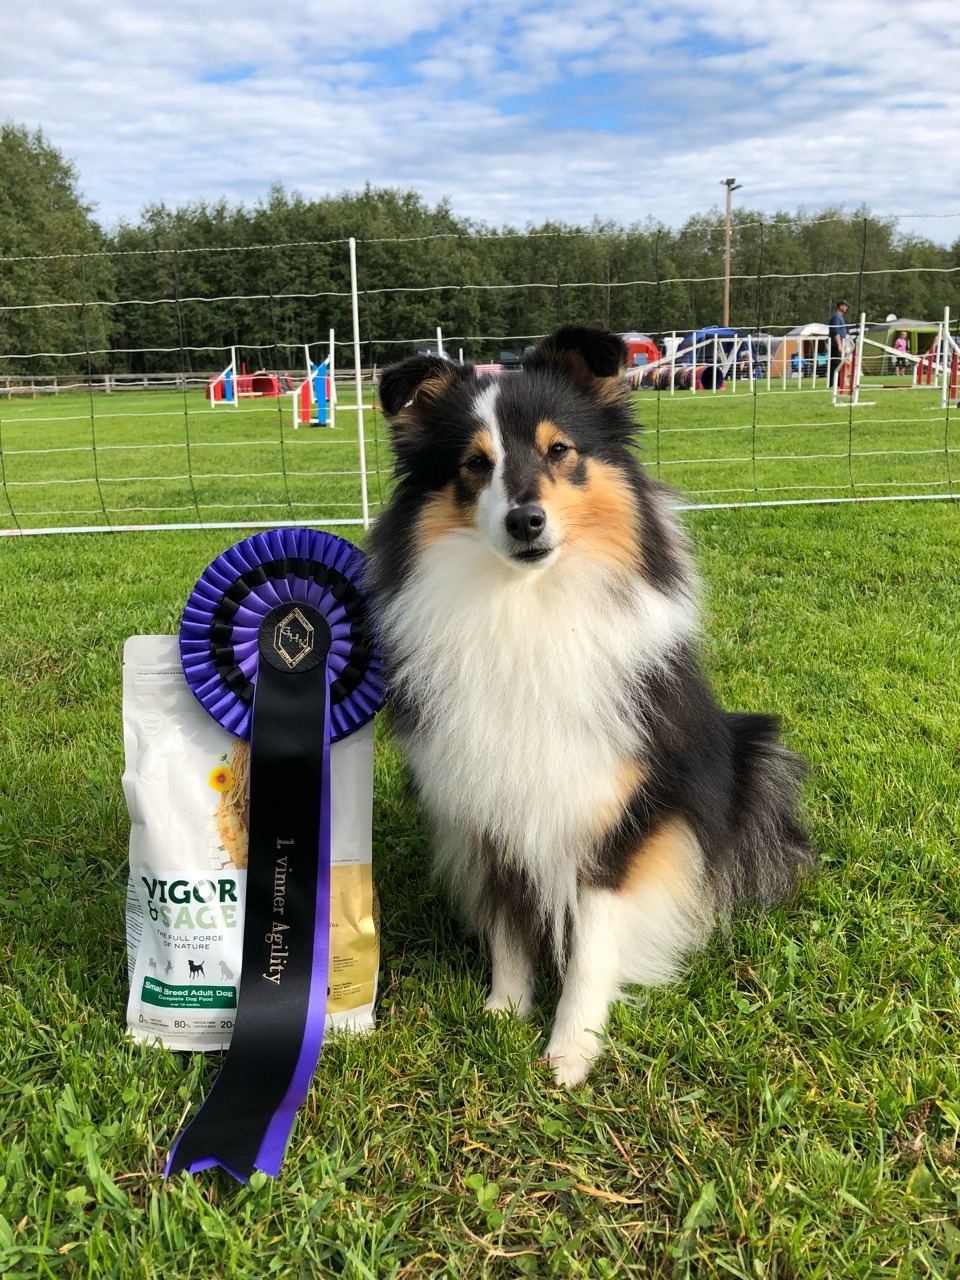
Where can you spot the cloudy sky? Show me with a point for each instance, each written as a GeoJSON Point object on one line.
{"type": "Point", "coordinates": [516, 111]}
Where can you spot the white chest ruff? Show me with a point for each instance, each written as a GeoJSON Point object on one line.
{"type": "Point", "coordinates": [526, 683]}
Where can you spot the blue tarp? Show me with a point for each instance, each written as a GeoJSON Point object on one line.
{"type": "Point", "coordinates": [729, 344]}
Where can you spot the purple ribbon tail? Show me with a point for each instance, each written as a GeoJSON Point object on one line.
{"type": "Point", "coordinates": [208, 1162]}
{"type": "Point", "coordinates": [274, 1145]}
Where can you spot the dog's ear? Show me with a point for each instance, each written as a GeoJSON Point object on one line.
{"type": "Point", "coordinates": [595, 359]}
{"type": "Point", "coordinates": [420, 378]}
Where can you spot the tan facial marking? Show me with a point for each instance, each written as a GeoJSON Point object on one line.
{"type": "Point", "coordinates": [598, 518]}
{"type": "Point", "coordinates": [441, 515]}
{"type": "Point", "coordinates": [481, 442]}
{"type": "Point", "coordinates": [548, 433]}
{"type": "Point", "coordinates": [476, 463]}
{"type": "Point", "coordinates": [670, 858]}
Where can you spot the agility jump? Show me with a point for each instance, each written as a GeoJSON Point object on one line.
{"type": "Point", "coordinates": [233, 385]}
{"type": "Point", "coordinates": [223, 388]}
{"type": "Point", "coordinates": [315, 399]}
{"type": "Point", "coordinates": [846, 385]}
{"type": "Point", "coordinates": [940, 366]}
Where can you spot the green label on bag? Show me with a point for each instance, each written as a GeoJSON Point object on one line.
{"type": "Point", "coordinates": [166, 996]}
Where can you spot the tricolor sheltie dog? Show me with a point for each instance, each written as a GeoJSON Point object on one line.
{"type": "Point", "coordinates": [591, 804]}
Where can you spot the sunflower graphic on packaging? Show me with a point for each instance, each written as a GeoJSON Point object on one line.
{"type": "Point", "coordinates": [232, 779]}
{"type": "Point", "coordinates": [221, 778]}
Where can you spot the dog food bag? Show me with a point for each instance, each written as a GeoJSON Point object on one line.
{"type": "Point", "coordinates": [186, 782]}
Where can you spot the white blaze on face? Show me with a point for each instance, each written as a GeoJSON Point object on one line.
{"type": "Point", "coordinates": [493, 504]}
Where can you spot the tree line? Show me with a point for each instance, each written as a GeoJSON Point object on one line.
{"type": "Point", "coordinates": [176, 287]}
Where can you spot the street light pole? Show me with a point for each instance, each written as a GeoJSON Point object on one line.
{"type": "Point", "coordinates": [732, 185]}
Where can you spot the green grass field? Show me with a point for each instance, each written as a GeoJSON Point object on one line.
{"type": "Point", "coordinates": [790, 1109]}
{"type": "Point", "coordinates": [165, 457]}
{"type": "Point", "coordinates": [162, 457]}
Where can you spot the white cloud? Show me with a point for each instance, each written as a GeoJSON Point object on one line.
{"type": "Point", "coordinates": [807, 104]}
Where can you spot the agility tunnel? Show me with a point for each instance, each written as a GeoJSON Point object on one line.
{"type": "Point", "coordinates": [680, 377]}
{"type": "Point", "coordinates": [229, 387]}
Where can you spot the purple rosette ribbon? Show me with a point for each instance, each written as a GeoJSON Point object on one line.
{"type": "Point", "coordinates": [276, 644]}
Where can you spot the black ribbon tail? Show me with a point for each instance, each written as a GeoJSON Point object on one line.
{"type": "Point", "coordinates": [245, 1120]}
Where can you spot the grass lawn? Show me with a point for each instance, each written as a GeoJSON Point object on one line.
{"type": "Point", "coordinates": [790, 1109]}
{"type": "Point", "coordinates": [164, 457]}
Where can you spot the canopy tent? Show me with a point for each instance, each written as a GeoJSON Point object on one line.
{"type": "Point", "coordinates": [800, 349]}
{"type": "Point", "coordinates": [921, 336]}
{"type": "Point", "coordinates": [640, 344]}
{"type": "Point", "coordinates": [723, 348]}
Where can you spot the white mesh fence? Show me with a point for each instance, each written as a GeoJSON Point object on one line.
{"type": "Point", "coordinates": [225, 415]}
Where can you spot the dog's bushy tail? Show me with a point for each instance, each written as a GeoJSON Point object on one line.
{"type": "Point", "coordinates": [770, 851]}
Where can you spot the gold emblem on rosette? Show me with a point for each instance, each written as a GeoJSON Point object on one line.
{"type": "Point", "coordinates": [293, 638]}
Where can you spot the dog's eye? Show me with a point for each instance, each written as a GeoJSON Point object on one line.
{"type": "Point", "coordinates": [478, 464]}
{"type": "Point", "coordinates": [558, 450]}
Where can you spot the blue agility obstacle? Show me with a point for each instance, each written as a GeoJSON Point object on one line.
{"type": "Point", "coordinates": [312, 399]}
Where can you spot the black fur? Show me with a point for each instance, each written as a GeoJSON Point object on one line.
{"type": "Point", "coordinates": [399, 383]}
{"type": "Point", "coordinates": [603, 353]}
{"type": "Point", "coordinates": [429, 439]}
{"type": "Point", "coordinates": [726, 773]}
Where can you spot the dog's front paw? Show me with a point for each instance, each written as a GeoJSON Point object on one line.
{"type": "Point", "coordinates": [571, 1057]}
{"type": "Point", "coordinates": [518, 1003]}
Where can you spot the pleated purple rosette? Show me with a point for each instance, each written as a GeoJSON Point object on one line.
{"type": "Point", "coordinates": [276, 645]}
{"type": "Point", "coordinates": [221, 621]}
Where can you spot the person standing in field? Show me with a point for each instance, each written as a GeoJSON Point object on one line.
{"type": "Point", "coordinates": [900, 364]}
{"type": "Point", "coordinates": [836, 340]}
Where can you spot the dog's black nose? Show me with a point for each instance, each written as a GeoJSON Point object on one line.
{"type": "Point", "coordinates": [525, 523]}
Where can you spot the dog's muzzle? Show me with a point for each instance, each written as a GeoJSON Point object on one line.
{"type": "Point", "coordinates": [525, 525]}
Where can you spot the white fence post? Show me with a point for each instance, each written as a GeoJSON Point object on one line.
{"type": "Point", "coordinates": [355, 303]}
{"type": "Point", "coordinates": [332, 400]}
{"type": "Point", "coordinates": [307, 369]}
{"type": "Point", "coordinates": [858, 358]}
{"type": "Point", "coordinates": [694, 345]}
{"type": "Point", "coordinates": [673, 359]}
{"type": "Point", "coordinates": [945, 349]}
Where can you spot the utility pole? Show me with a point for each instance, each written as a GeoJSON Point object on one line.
{"type": "Point", "coordinates": [732, 185]}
